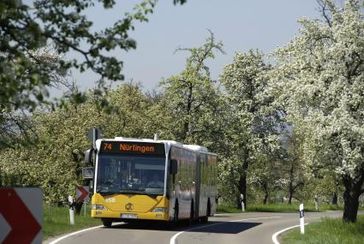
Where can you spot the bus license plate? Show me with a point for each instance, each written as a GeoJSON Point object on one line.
{"type": "Point", "coordinates": [128, 216]}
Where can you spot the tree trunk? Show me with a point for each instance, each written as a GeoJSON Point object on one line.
{"type": "Point", "coordinates": [290, 195]}
{"type": "Point", "coordinates": [351, 205]}
{"type": "Point", "coordinates": [266, 196]}
{"type": "Point", "coordinates": [351, 197]}
{"type": "Point", "coordinates": [266, 193]}
{"type": "Point", "coordinates": [290, 186]}
{"type": "Point", "coordinates": [238, 201]}
{"type": "Point", "coordinates": [334, 199]}
{"type": "Point", "coordinates": [242, 188]}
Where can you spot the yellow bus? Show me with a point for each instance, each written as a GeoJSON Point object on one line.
{"type": "Point", "coordinates": [144, 179]}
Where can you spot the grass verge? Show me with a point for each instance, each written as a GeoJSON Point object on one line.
{"type": "Point", "coordinates": [275, 207]}
{"type": "Point", "coordinates": [289, 208]}
{"type": "Point", "coordinates": [56, 221]}
{"type": "Point", "coordinates": [227, 209]}
{"type": "Point", "coordinates": [328, 231]}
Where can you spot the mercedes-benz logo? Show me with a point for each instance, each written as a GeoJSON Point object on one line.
{"type": "Point", "coordinates": [129, 206]}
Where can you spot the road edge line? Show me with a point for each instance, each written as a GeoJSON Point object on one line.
{"type": "Point", "coordinates": [74, 233]}
{"type": "Point", "coordinates": [275, 235]}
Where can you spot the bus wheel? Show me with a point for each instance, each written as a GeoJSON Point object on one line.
{"type": "Point", "coordinates": [107, 223]}
{"type": "Point", "coordinates": [208, 208]}
{"type": "Point", "coordinates": [205, 219]}
{"type": "Point", "coordinates": [175, 214]}
{"type": "Point", "coordinates": [192, 213]}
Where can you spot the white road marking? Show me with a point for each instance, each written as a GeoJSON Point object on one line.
{"type": "Point", "coordinates": [275, 235]}
{"type": "Point", "coordinates": [173, 238]}
{"type": "Point", "coordinates": [74, 233]}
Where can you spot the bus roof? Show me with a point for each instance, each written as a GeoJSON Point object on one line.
{"type": "Point", "coordinates": [196, 148]}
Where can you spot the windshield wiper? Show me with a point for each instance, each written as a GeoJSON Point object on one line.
{"type": "Point", "coordinates": [131, 192]}
{"type": "Point", "coordinates": [104, 193]}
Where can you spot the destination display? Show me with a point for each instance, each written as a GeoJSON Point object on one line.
{"type": "Point", "coordinates": [141, 148]}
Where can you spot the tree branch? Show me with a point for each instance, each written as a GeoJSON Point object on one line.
{"type": "Point", "coordinates": [352, 69]}
{"type": "Point", "coordinates": [324, 10]}
{"type": "Point", "coordinates": [75, 48]}
{"type": "Point", "coordinates": [297, 185]}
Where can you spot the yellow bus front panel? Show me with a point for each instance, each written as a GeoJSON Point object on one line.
{"type": "Point", "coordinates": [127, 206]}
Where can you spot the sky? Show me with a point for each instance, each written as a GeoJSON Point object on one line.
{"type": "Point", "coordinates": [239, 24]}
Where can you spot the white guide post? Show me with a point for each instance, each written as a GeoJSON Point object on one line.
{"type": "Point", "coordinates": [71, 210]}
{"type": "Point", "coordinates": [242, 203]}
{"type": "Point", "coordinates": [302, 219]}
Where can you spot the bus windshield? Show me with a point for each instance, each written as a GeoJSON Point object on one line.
{"type": "Point", "coordinates": [130, 174]}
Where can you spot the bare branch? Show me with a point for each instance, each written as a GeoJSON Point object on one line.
{"type": "Point", "coordinates": [325, 11]}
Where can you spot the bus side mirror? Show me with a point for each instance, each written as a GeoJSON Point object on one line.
{"type": "Point", "coordinates": [174, 166]}
{"type": "Point", "coordinates": [88, 157]}
{"type": "Point", "coordinates": [88, 173]}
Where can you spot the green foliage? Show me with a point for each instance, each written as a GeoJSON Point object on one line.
{"type": "Point", "coordinates": [56, 221]}
{"type": "Point", "coordinates": [289, 208]}
{"type": "Point", "coordinates": [292, 168]}
{"type": "Point", "coordinates": [324, 98]}
{"type": "Point", "coordinates": [318, 79]}
{"type": "Point", "coordinates": [324, 187]}
{"type": "Point", "coordinates": [54, 160]}
{"type": "Point", "coordinates": [250, 122]}
{"type": "Point", "coordinates": [328, 231]}
{"type": "Point", "coordinates": [192, 99]}
{"type": "Point", "coordinates": [15, 128]}
{"type": "Point", "coordinates": [225, 208]}
{"type": "Point", "coordinates": [266, 178]}
{"type": "Point", "coordinates": [276, 207]}
{"type": "Point", "coordinates": [273, 207]}
{"type": "Point", "coordinates": [27, 64]}
{"type": "Point", "coordinates": [129, 113]}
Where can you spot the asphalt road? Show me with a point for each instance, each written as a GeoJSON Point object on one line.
{"type": "Point", "coordinates": [249, 227]}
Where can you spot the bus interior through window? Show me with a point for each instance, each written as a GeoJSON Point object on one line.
{"type": "Point", "coordinates": [130, 174]}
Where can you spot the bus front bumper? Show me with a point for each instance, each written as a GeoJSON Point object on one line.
{"type": "Point", "coordinates": [125, 216]}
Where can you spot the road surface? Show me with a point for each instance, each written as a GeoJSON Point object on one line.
{"type": "Point", "coordinates": [249, 227]}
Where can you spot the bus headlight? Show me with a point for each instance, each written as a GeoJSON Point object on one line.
{"type": "Point", "coordinates": [98, 207]}
{"type": "Point", "coordinates": [159, 210]}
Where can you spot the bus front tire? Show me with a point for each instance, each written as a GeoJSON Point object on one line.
{"type": "Point", "coordinates": [175, 215]}
{"type": "Point", "coordinates": [204, 219]}
{"type": "Point", "coordinates": [192, 213]}
{"type": "Point", "coordinates": [107, 223]}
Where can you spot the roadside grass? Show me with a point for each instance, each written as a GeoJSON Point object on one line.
{"type": "Point", "coordinates": [56, 221]}
{"type": "Point", "coordinates": [275, 207]}
{"type": "Point", "coordinates": [290, 208]}
{"type": "Point", "coordinates": [223, 208]}
{"type": "Point", "coordinates": [328, 231]}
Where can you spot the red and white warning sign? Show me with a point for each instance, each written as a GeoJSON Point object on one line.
{"type": "Point", "coordinates": [82, 193]}
{"type": "Point", "coordinates": [20, 215]}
